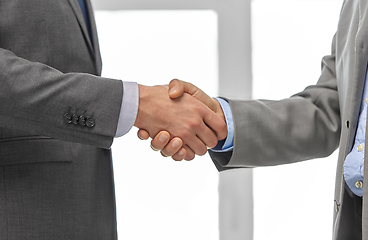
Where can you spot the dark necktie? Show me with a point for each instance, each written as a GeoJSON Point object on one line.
{"type": "Point", "coordinates": [83, 7]}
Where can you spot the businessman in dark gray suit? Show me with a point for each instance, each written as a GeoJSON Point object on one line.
{"type": "Point", "coordinates": [58, 119]}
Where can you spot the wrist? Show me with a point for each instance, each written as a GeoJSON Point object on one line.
{"type": "Point", "coordinates": [142, 94]}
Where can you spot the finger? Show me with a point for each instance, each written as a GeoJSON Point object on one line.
{"type": "Point", "coordinates": [160, 140]}
{"type": "Point", "coordinates": [142, 134]}
{"type": "Point", "coordinates": [180, 155]}
{"type": "Point", "coordinates": [210, 124]}
{"type": "Point", "coordinates": [154, 149]}
{"type": "Point", "coordinates": [176, 88]}
{"type": "Point", "coordinates": [172, 147]}
{"type": "Point", "coordinates": [216, 123]}
{"type": "Point", "coordinates": [208, 137]}
{"type": "Point", "coordinates": [196, 145]}
{"type": "Point", "coordinates": [189, 153]}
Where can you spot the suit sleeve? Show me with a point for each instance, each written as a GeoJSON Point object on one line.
{"type": "Point", "coordinates": [304, 126]}
{"type": "Point", "coordinates": [35, 98]}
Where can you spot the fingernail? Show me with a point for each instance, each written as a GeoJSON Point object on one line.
{"type": "Point", "coordinates": [175, 143]}
{"type": "Point", "coordinates": [173, 90]}
{"type": "Point", "coordinates": [180, 153]}
{"type": "Point", "coordinates": [163, 138]}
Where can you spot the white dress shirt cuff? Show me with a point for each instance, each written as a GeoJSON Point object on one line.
{"type": "Point", "coordinates": [129, 108]}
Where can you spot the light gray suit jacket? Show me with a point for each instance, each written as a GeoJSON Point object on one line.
{"type": "Point", "coordinates": [315, 122]}
{"type": "Point", "coordinates": [57, 122]}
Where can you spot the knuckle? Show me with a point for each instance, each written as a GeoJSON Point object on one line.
{"type": "Point", "coordinates": [195, 123]}
{"type": "Point", "coordinates": [184, 134]}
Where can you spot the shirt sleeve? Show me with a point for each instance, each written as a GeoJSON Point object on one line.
{"type": "Point", "coordinates": [227, 144]}
{"type": "Point", "coordinates": [129, 108]}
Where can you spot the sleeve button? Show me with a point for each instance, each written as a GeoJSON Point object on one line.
{"type": "Point", "coordinates": [82, 120]}
{"type": "Point", "coordinates": [75, 119]}
{"type": "Point", "coordinates": [67, 118]}
{"type": "Point", "coordinates": [90, 122]}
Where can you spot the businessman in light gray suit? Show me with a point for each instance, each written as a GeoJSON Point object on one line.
{"type": "Point", "coordinates": [310, 124]}
{"type": "Point", "coordinates": [58, 119]}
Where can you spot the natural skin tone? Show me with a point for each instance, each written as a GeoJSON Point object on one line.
{"type": "Point", "coordinates": [188, 122]}
{"type": "Point", "coordinates": [172, 146]}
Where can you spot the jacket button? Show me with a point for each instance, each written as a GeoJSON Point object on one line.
{"type": "Point", "coordinates": [347, 124]}
{"type": "Point", "coordinates": [67, 118]}
{"type": "Point", "coordinates": [90, 122]}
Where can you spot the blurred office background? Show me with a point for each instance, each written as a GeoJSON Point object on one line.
{"type": "Point", "coordinates": [239, 49]}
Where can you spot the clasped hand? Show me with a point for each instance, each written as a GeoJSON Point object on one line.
{"type": "Point", "coordinates": [181, 119]}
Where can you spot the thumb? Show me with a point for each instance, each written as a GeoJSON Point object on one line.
{"type": "Point", "coordinates": [176, 88]}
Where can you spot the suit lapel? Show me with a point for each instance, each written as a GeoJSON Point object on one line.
{"type": "Point", "coordinates": [78, 13]}
{"type": "Point", "coordinates": [94, 37]}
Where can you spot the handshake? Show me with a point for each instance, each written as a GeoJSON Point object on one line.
{"type": "Point", "coordinates": [181, 119]}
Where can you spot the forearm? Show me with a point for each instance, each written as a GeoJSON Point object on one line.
{"type": "Point", "coordinates": [34, 98]}
{"type": "Point", "coordinates": [302, 127]}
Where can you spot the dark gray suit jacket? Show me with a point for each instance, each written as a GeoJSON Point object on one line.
{"type": "Point", "coordinates": [315, 122]}
{"type": "Point", "coordinates": [57, 122]}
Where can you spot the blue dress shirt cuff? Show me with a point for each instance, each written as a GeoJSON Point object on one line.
{"type": "Point", "coordinates": [129, 108]}
{"type": "Point", "coordinates": [228, 143]}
